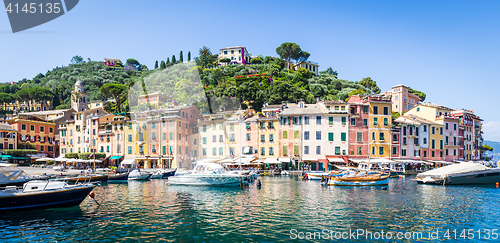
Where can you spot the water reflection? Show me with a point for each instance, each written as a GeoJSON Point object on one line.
{"type": "Point", "coordinates": [154, 211]}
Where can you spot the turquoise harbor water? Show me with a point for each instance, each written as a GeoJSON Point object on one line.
{"type": "Point", "coordinates": [153, 211]}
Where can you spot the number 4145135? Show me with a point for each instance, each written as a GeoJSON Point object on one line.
{"type": "Point", "coordinates": [34, 8]}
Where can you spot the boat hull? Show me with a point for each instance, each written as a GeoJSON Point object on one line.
{"type": "Point", "coordinates": [207, 180]}
{"type": "Point", "coordinates": [484, 177]}
{"type": "Point", "coordinates": [359, 183]}
{"type": "Point", "coordinates": [92, 178]}
{"type": "Point", "coordinates": [118, 177]}
{"type": "Point", "coordinates": [47, 199]}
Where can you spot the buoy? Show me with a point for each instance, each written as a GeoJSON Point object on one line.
{"type": "Point", "coordinates": [496, 184]}
{"type": "Point", "coordinates": [92, 195]}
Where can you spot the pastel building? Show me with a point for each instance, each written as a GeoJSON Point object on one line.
{"type": "Point", "coordinates": [472, 133]}
{"type": "Point", "coordinates": [380, 125]}
{"type": "Point", "coordinates": [402, 100]}
{"type": "Point", "coordinates": [36, 133]}
{"type": "Point", "coordinates": [358, 129]}
{"type": "Point", "coordinates": [337, 130]}
{"type": "Point", "coordinates": [268, 132]}
{"type": "Point", "coordinates": [410, 131]}
{"type": "Point", "coordinates": [237, 55]}
{"type": "Point", "coordinates": [8, 137]}
{"type": "Point", "coordinates": [311, 66]}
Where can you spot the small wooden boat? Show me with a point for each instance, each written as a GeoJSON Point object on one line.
{"type": "Point", "coordinates": [366, 180]}
{"type": "Point", "coordinates": [89, 178]}
{"type": "Point", "coordinates": [118, 177]}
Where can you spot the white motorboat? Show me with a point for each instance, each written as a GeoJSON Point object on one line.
{"type": "Point", "coordinates": [43, 194]}
{"type": "Point", "coordinates": [460, 174]}
{"type": "Point", "coordinates": [139, 175]}
{"type": "Point", "coordinates": [209, 174]}
{"type": "Point", "coordinates": [13, 176]}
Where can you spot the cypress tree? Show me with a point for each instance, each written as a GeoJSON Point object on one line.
{"type": "Point", "coordinates": [181, 58]}
{"type": "Point", "coordinates": [168, 60]}
{"type": "Point", "coordinates": [162, 65]}
{"type": "Point", "coordinates": [189, 56]}
{"type": "Point", "coordinates": [173, 59]}
{"type": "Point", "coordinates": [156, 64]}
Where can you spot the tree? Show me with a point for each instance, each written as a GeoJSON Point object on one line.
{"type": "Point", "coordinates": [115, 91]}
{"type": "Point", "coordinates": [76, 59]}
{"type": "Point", "coordinates": [174, 61]}
{"type": "Point", "coordinates": [23, 95]}
{"type": "Point", "coordinates": [226, 60]}
{"type": "Point", "coordinates": [291, 51]}
{"type": "Point", "coordinates": [356, 92]}
{"type": "Point", "coordinates": [330, 72]}
{"type": "Point", "coordinates": [156, 64]}
{"type": "Point", "coordinates": [256, 60]}
{"type": "Point", "coordinates": [420, 94]}
{"type": "Point", "coordinates": [370, 84]}
{"type": "Point", "coordinates": [181, 57]}
{"type": "Point", "coordinates": [205, 57]}
{"type": "Point", "coordinates": [133, 62]}
{"type": "Point", "coordinates": [268, 59]}
{"type": "Point", "coordinates": [487, 147]}
{"type": "Point", "coordinates": [162, 65]}
{"type": "Point", "coordinates": [6, 98]}
{"type": "Point", "coordinates": [189, 56]}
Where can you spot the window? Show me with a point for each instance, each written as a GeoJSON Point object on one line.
{"type": "Point", "coordinates": [270, 125]}
{"type": "Point", "coordinates": [306, 149]}
{"type": "Point", "coordinates": [425, 128]}
{"type": "Point", "coordinates": [359, 136]}
{"type": "Point", "coordinates": [171, 136]}
{"type": "Point", "coordinates": [204, 152]}
{"type": "Point", "coordinates": [403, 152]}
{"type": "Point", "coordinates": [440, 153]}
{"type": "Point", "coordinates": [343, 120]}
{"type": "Point", "coordinates": [306, 135]}
{"type": "Point", "coordinates": [271, 151]}
{"type": "Point", "coordinates": [164, 137]}
{"type": "Point", "coordinates": [365, 122]}
{"type": "Point", "coordinates": [262, 138]}
{"type": "Point", "coordinates": [433, 146]}
{"type": "Point", "coordinates": [446, 126]}
{"type": "Point", "coordinates": [359, 150]}
{"type": "Point", "coordinates": [330, 120]}
{"type": "Point", "coordinates": [204, 128]}
{"type": "Point", "coordinates": [416, 131]}
{"type": "Point", "coordinates": [330, 136]}
{"type": "Point", "coordinates": [386, 110]}
{"type": "Point", "coordinates": [455, 127]}
{"type": "Point", "coordinates": [404, 141]}
{"type": "Point", "coordinates": [433, 130]}
{"type": "Point", "coordinates": [23, 127]}
{"type": "Point", "coordinates": [343, 137]}
{"type": "Point", "coordinates": [394, 150]}
{"type": "Point", "coordinates": [130, 137]}
{"type": "Point", "coordinates": [42, 129]}
{"type": "Point", "coordinates": [318, 120]}
{"type": "Point", "coordinates": [318, 135]}
{"type": "Point", "coordinates": [231, 127]}
{"type": "Point", "coordinates": [381, 136]}
{"type": "Point", "coordinates": [318, 149]}
{"type": "Point", "coordinates": [441, 131]}
{"type": "Point", "coordinates": [415, 141]}
{"type": "Point", "coordinates": [337, 150]}
{"type": "Point", "coordinates": [365, 109]}
{"type": "Point", "coordinates": [221, 138]}
{"type": "Point", "coordinates": [262, 151]}
{"type": "Point", "coordinates": [373, 150]}
{"type": "Point", "coordinates": [375, 121]}
{"type": "Point", "coordinates": [381, 150]}
{"type": "Point", "coordinates": [353, 121]}
{"type": "Point", "coordinates": [285, 150]}
{"type": "Point", "coordinates": [221, 150]}
{"type": "Point", "coordinates": [373, 136]}
{"type": "Point", "coordinates": [375, 110]}
{"type": "Point", "coordinates": [295, 134]}
{"type": "Point", "coordinates": [118, 148]}
{"type": "Point", "coordinates": [214, 151]}
{"type": "Point", "coordinates": [248, 126]}
{"type": "Point", "coordinates": [306, 120]}
{"type": "Point", "coordinates": [386, 122]}
{"type": "Point", "coordinates": [214, 138]}
{"type": "Point", "coordinates": [204, 140]}
{"type": "Point", "coordinates": [285, 135]}
{"type": "Point", "coordinates": [441, 145]}
{"type": "Point", "coordinates": [180, 125]}
{"type": "Point", "coordinates": [425, 141]}
{"type": "Point", "coordinates": [295, 150]}
{"type": "Point", "coordinates": [248, 136]}
{"type": "Point", "coordinates": [164, 150]}
{"type": "Point", "coordinates": [153, 125]}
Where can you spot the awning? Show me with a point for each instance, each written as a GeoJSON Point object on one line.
{"type": "Point", "coordinates": [19, 158]}
{"type": "Point", "coordinates": [274, 161]}
{"type": "Point", "coordinates": [44, 159]}
{"type": "Point", "coordinates": [381, 160]}
{"type": "Point", "coordinates": [116, 157]}
{"type": "Point", "coordinates": [440, 162]}
{"type": "Point", "coordinates": [5, 156]}
{"type": "Point", "coordinates": [60, 158]}
{"type": "Point", "coordinates": [284, 160]}
{"type": "Point", "coordinates": [408, 161]}
{"type": "Point", "coordinates": [358, 160]}
{"type": "Point", "coordinates": [244, 160]}
{"type": "Point", "coordinates": [336, 160]}
{"type": "Point", "coordinates": [309, 159]}
{"type": "Point", "coordinates": [246, 150]}
{"type": "Point", "coordinates": [128, 161]}
{"type": "Point", "coordinates": [323, 160]}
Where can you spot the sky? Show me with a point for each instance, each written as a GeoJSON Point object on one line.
{"type": "Point", "coordinates": [447, 49]}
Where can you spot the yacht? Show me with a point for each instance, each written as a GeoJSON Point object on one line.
{"type": "Point", "coordinates": [209, 174]}
{"type": "Point", "coordinates": [460, 174]}
{"type": "Point", "coordinates": [139, 175]}
{"type": "Point", "coordinates": [43, 194]}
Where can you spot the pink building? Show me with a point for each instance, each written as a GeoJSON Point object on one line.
{"type": "Point", "coordinates": [402, 100]}
{"type": "Point", "coordinates": [358, 130]}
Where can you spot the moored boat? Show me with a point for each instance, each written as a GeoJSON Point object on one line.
{"type": "Point", "coordinates": [13, 176]}
{"type": "Point", "coordinates": [118, 177]}
{"type": "Point", "coordinates": [139, 175]}
{"type": "Point", "coordinates": [365, 180]}
{"type": "Point", "coordinates": [43, 194]}
{"type": "Point", "coordinates": [460, 174]}
{"type": "Point", "coordinates": [209, 174]}
{"type": "Point", "coordinates": [89, 178]}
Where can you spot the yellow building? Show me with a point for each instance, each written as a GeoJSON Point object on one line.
{"type": "Point", "coordinates": [154, 99]}
{"type": "Point", "coordinates": [380, 123]}
{"type": "Point", "coordinates": [8, 136]}
{"type": "Point", "coordinates": [237, 55]}
{"type": "Point", "coordinates": [268, 133]}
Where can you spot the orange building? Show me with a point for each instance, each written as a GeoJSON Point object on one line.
{"type": "Point", "coordinates": [37, 133]}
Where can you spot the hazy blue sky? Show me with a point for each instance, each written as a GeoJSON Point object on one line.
{"type": "Point", "coordinates": [448, 49]}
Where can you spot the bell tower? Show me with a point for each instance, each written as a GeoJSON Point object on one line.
{"type": "Point", "coordinates": [79, 97]}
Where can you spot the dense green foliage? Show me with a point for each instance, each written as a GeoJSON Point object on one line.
{"type": "Point", "coordinates": [420, 94]}
{"type": "Point", "coordinates": [19, 152]}
{"type": "Point", "coordinates": [487, 147]}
